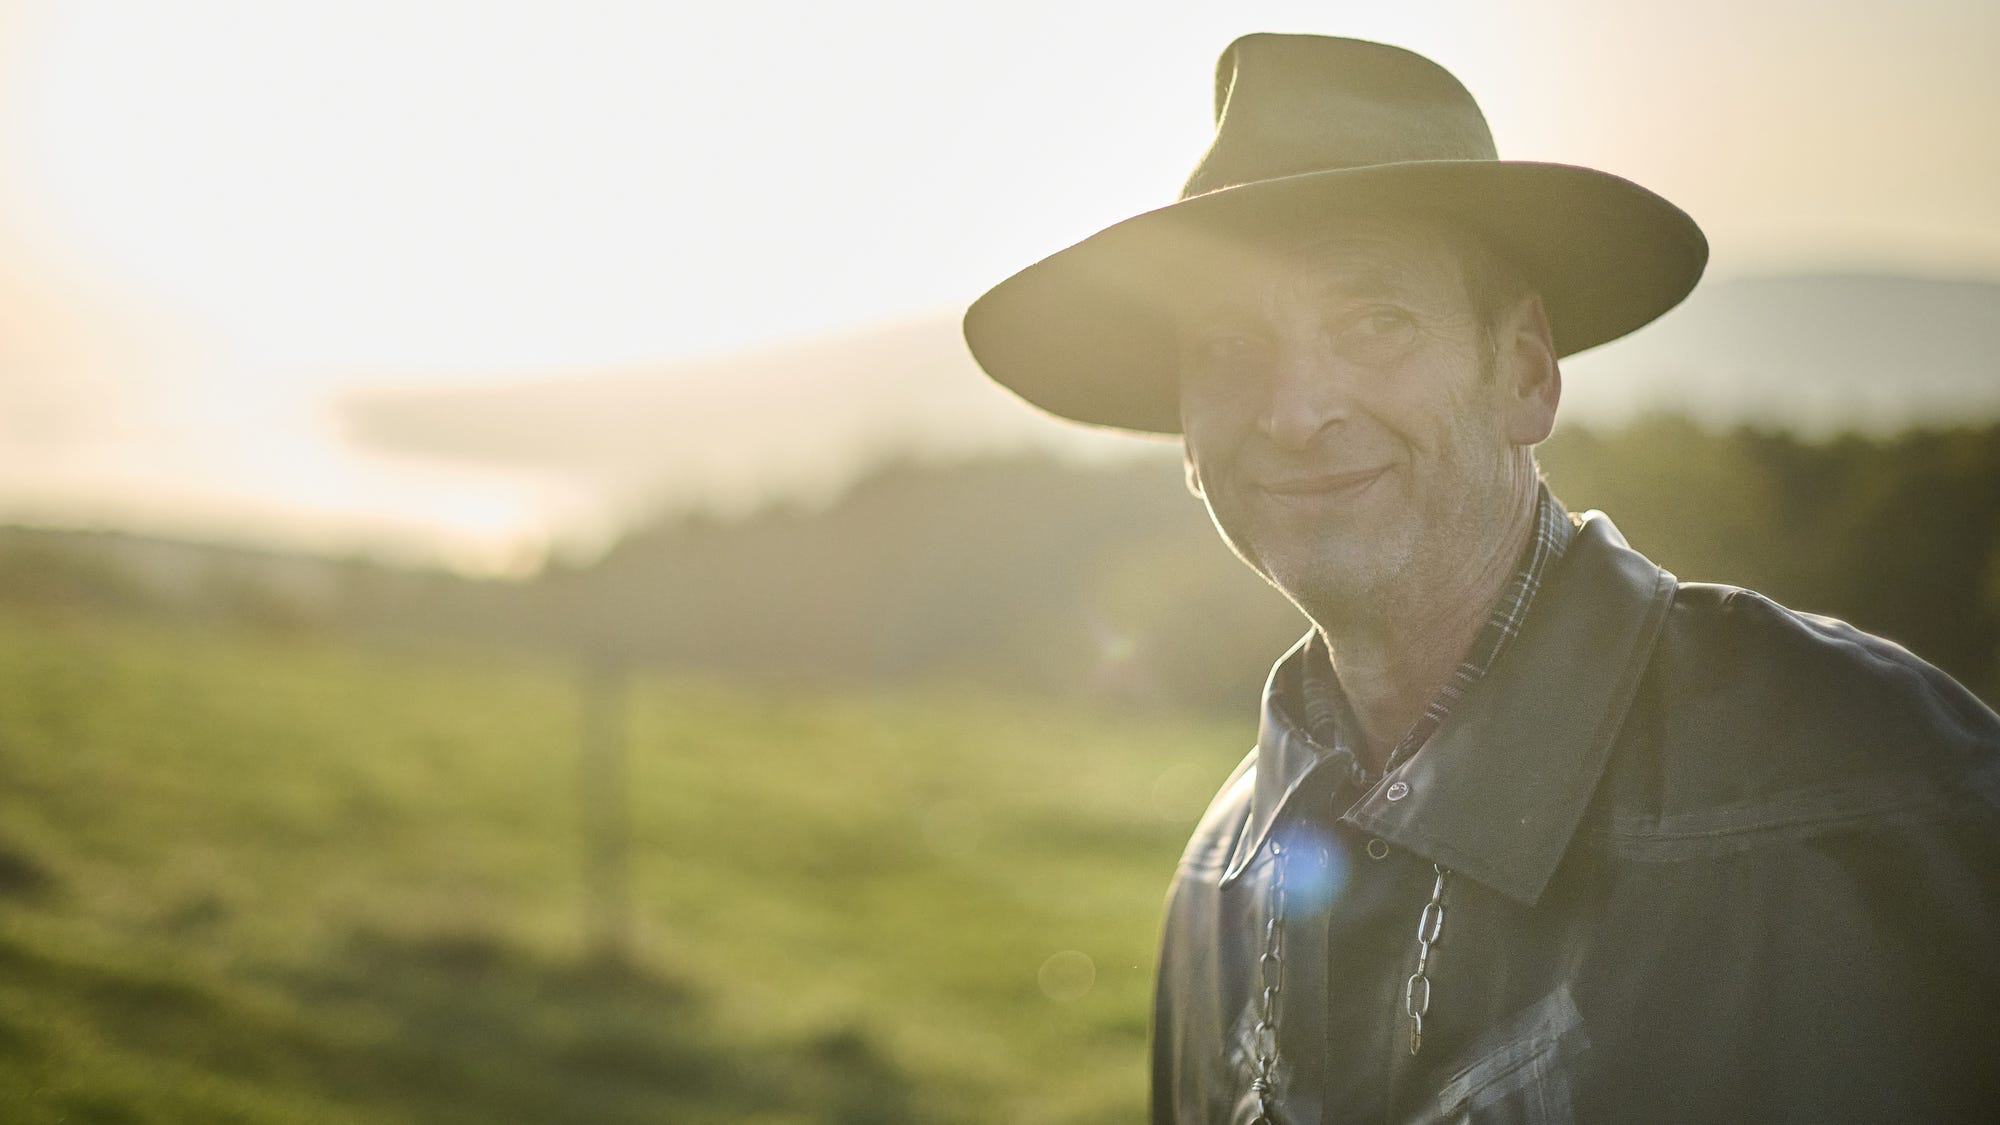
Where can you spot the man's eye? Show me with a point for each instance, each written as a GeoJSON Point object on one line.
{"type": "Point", "coordinates": [1375, 336]}
{"type": "Point", "coordinates": [1382, 322]}
{"type": "Point", "coordinates": [1220, 356]}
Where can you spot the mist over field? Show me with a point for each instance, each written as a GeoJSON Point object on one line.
{"type": "Point", "coordinates": [1814, 353]}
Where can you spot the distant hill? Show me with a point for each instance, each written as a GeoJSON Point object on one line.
{"type": "Point", "coordinates": [801, 421]}
{"type": "Point", "coordinates": [1814, 353]}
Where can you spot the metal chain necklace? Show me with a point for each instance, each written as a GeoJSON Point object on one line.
{"type": "Point", "coordinates": [1417, 990]}
{"type": "Point", "coordinates": [1264, 1036]}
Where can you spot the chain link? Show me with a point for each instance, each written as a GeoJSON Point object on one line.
{"type": "Point", "coordinates": [1272, 962]}
{"type": "Point", "coordinates": [1417, 990]}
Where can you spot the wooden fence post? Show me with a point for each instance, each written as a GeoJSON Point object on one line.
{"type": "Point", "coordinates": [605, 806]}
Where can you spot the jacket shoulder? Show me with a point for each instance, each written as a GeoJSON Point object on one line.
{"type": "Point", "coordinates": [1747, 703]}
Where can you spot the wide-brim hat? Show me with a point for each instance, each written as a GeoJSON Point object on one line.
{"type": "Point", "coordinates": [1309, 127]}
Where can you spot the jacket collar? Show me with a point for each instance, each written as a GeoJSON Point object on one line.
{"type": "Point", "coordinates": [1284, 758]}
{"type": "Point", "coordinates": [1498, 791]}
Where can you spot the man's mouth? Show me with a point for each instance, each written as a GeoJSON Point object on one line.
{"type": "Point", "coordinates": [1309, 485]}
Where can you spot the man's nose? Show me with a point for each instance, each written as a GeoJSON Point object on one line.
{"type": "Point", "coordinates": [1308, 395]}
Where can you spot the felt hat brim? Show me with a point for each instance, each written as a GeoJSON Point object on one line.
{"type": "Point", "coordinates": [1084, 333]}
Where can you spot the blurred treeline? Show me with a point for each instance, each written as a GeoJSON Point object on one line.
{"type": "Point", "coordinates": [1104, 582]}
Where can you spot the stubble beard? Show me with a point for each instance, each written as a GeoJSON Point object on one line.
{"type": "Point", "coordinates": [1354, 579]}
{"type": "Point", "coordinates": [1342, 581]}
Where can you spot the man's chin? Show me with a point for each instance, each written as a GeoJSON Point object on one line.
{"type": "Point", "coordinates": [1332, 591]}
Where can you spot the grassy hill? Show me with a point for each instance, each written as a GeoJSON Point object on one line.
{"type": "Point", "coordinates": [276, 879]}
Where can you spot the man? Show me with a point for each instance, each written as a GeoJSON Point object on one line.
{"type": "Point", "coordinates": [1532, 831]}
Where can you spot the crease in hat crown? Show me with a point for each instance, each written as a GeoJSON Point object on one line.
{"type": "Point", "coordinates": [1290, 104]}
{"type": "Point", "coordinates": [1308, 127]}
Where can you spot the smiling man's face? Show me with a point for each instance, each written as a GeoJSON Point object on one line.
{"type": "Point", "coordinates": [1351, 418]}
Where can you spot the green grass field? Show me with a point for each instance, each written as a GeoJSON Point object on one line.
{"type": "Point", "coordinates": [267, 879]}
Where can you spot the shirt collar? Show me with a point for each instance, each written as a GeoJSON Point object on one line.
{"type": "Point", "coordinates": [1321, 706]}
{"type": "Point", "coordinates": [1502, 784]}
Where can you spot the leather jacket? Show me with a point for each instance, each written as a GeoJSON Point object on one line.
{"type": "Point", "coordinates": [1705, 859]}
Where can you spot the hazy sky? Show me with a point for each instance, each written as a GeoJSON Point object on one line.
{"type": "Point", "coordinates": [215, 216]}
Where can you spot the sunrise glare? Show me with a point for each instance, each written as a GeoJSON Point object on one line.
{"type": "Point", "coordinates": [222, 218]}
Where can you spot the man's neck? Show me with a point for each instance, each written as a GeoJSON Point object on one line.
{"type": "Point", "coordinates": [1392, 665]}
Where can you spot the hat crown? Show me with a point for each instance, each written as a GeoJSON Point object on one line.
{"type": "Point", "coordinates": [1311, 129]}
{"type": "Point", "coordinates": [1292, 104]}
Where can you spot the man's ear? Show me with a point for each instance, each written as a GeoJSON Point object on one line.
{"type": "Point", "coordinates": [1193, 477]}
{"type": "Point", "coordinates": [1526, 356]}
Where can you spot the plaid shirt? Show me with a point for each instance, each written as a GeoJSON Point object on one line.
{"type": "Point", "coordinates": [1322, 706]}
